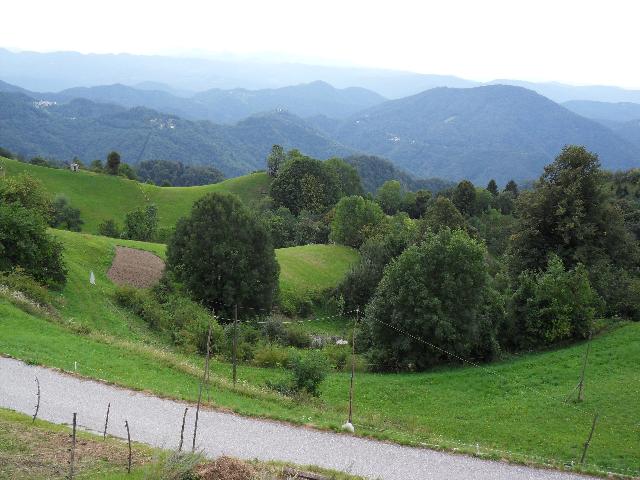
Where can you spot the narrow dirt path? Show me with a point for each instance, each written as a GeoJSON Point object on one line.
{"type": "Point", "coordinates": [157, 421]}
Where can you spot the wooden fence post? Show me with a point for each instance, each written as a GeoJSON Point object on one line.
{"type": "Point", "coordinates": [588, 442]}
{"type": "Point", "coordinates": [584, 368]}
{"type": "Point", "coordinates": [235, 344]}
{"type": "Point", "coordinates": [73, 449]}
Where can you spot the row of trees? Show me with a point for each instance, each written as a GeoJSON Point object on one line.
{"type": "Point", "coordinates": [473, 280]}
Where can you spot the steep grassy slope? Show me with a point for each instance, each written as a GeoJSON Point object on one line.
{"type": "Point", "coordinates": [305, 272]}
{"type": "Point", "coordinates": [308, 270]}
{"type": "Point", "coordinates": [100, 197]}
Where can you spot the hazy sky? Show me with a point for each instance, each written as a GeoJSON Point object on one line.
{"type": "Point", "coordinates": [579, 42]}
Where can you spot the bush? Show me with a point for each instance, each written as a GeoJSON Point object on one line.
{"type": "Point", "coordinates": [25, 243]}
{"type": "Point", "coordinates": [167, 310]}
{"type": "Point", "coordinates": [552, 306]}
{"type": "Point", "coordinates": [248, 337]}
{"type": "Point", "coordinates": [141, 224]}
{"type": "Point", "coordinates": [271, 355]}
{"type": "Point", "coordinates": [65, 216]}
{"type": "Point", "coordinates": [339, 357]}
{"type": "Point", "coordinates": [437, 291]}
{"type": "Point", "coordinates": [355, 218]}
{"type": "Point", "coordinates": [309, 371]}
{"type": "Point", "coordinates": [295, 336]}
{"type": "Point", "coordinates": [18, 280]}
{"type": "Point", "coordinates": [109, 228]}
{"type": "Point", "coordinates": [274, 330]}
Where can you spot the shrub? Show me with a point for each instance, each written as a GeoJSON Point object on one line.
{"type": "Point", "coordinates": [552, 305]}
{"type": "Point", "coordinates": [141, 224]}
{"type": "Point", "coordinates": [173, 466]}
{"type": "Point", "coordinates": [109, 228]}
{"type": "Point", "coordinates": [18, 280]}
{"type": "Point", "coordinates": [248, 338]}
{"type": "Point", "coordinates": [64, 215]}
{"type": "Point", "coordinates": [354, 218]}
{"type": "Point", "coordinates": [271, 355]}
{"type": "Point", "coordinates": [25, 243]}
{"type": "Point", "coordinates": [436, 290]}
{"type": "Point", "coordinates": [295, 336]}
{"type": "Point", "coordinates": [309, 371]}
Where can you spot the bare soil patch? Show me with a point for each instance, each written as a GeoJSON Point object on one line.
{"type": "Point", "coordinates": [136, 268]}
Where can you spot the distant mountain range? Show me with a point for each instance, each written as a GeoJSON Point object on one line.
{"type": "Point", "coordinates": [90, 130]}
{"type": "Point", "coordinates": [478, 133]}
{"type": "Point", "coordinates": [223, 106]}
{"type": "Point", "coordinates": [182, 76]}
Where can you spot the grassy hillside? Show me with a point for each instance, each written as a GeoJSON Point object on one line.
{"type": "Point", "coordinates": [100, 197]}
{"type": "Point", "coordinates": [305, 272]}
{"type": "Point", "coordinates": [308, 270]}
{"type": "Point", "coordinates": [514, 409]}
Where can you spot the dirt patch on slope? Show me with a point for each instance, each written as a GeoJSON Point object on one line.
{"type": "Point", "coordinates": [136, 268]}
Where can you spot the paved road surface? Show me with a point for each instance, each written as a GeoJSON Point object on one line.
{"type": "Point", "coordinates": [157, 422]}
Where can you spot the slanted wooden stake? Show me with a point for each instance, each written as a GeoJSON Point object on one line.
{"type": "Point", "coordinates": [235, 344]}
{"type": "Point", "coordinates": [208, 372]}
{"type": "Point", "coordinates": [106, 422]}
{"type": "Point", "coordinates": [126, 424]}
{"type": "Point", "coordinates": [72, 460]}
{"type": "Point", "coordinates": [195, 425]}
{"type": "Point", "coordinates": [206, 362]}
{"type": "Point", "coordinates": [184, 417]}
{"type": "Point", "coordinates": [588, 442]}
{"type": "Point", "coordinates": [584, 368]}
{"type": "Point", "coordinates": [38, 402]}
{"type": "Point", "coordinates": [353, 365]}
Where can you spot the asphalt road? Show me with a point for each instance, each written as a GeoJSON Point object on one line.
{"type": "Point", "coordinates": [157, 422]}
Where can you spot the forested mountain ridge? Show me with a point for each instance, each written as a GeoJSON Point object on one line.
{"type": "Point", "coordinates": [497, 131]}
{"type": "Point", "coordinates": [90, 130]}
{"type": "Point", "coordinates": [613, 112]}
{"type": "Point", "coordinates": [222, 106]}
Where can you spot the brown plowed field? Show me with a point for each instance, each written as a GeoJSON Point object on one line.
{"type": "Point", "coordinates": [136, 268]}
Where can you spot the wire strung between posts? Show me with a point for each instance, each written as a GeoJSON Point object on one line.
{"type": "Point", "coordinates": [474, 364]}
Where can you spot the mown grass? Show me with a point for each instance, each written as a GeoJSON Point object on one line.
{"type": "Point", "coordinates": [513, 410]}
{"type": "Point", "coordinates": [309, 270]}
{"type": "Point", "coordinates": [305, 272]}
{"type": "Point", "coordinates": [101, 197]}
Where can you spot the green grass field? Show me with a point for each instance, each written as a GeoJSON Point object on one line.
{"type": "Point", "coordinates": [305, 272]}
{"type": "Point", "coordinates": [513, 409]}
{"type": "Point", "coordinates": [100, 197]}
{"type": "Point", "coordinates": [309, 270]}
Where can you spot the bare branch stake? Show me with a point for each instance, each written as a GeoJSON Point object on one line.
{"type": "Point", "coordinates": [184, 417]}
{"type": "Point", "coordinates": [126, 424]}
{"type": "Point", "coordinates": [106, 422]}
{"type": "Point", "coordinates": [38, 403]}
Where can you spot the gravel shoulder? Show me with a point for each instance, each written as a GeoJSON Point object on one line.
{"type": "Point", "coordinates": [157, 422]}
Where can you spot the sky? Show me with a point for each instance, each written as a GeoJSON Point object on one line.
{"type": "Point", "coordinates": [577, 42]}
